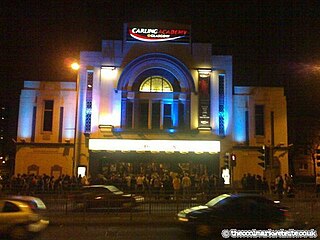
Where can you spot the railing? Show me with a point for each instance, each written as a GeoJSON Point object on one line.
{"type": "Point", "coordinates": [304, 204]}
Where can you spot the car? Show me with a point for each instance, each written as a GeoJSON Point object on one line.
{"type": "Point", "coordinates": [22, 217]}
{"type": "Point", "coordinates": [104, 197]}
{"type": "Point", "coordinates": [235, 211]}
{"type": "Point", "coordinates": [35, 203]}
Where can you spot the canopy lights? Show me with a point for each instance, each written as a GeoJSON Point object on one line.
{"type": "Point", "coordinates": [182, 146]}
{"type": "Point", "coordinates": [204, 72]}
{"type": "Point", "coordinates": [111, 68]}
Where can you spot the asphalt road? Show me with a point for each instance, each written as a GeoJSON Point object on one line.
{"type": "Point", "coordinates": [119, 232]}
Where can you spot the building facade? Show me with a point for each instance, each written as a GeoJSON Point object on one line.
{"type": "Point", "coordinates": [154, 101]}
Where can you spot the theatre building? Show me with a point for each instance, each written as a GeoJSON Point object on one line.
{"type": "Point", "coordinates": [153, 101]}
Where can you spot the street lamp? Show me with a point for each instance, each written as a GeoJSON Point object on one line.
{"type": "Point", "coordinates": [76, 66]}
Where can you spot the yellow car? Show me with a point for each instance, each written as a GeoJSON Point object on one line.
{"type": "Point", "coordinates": [19, 220]}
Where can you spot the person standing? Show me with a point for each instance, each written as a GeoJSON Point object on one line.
{"type": "Point", "coordinates": [265, 186]}
{"type": "Point", "coordinates": [156, 186]}
{"type": "Point", "coordinates": [176, 184]}
{"type": "Point", "coordinates": [279, 186]}
{"type": "Point", "coordinates": [140, 183]}
{"type": "Point", "coordinates": [244, 182]}
{"type": "Point", "coordinates": [186, 185]}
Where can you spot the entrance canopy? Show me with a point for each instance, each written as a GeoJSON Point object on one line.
{"type": "Point", "coordinates": [170, 146]}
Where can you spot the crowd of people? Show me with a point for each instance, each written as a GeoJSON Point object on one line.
{"type": "Point", "coordinates": [167, 183]}
{"type": "Point", "coordinates": [254, 183]}
{"type": "Point", "coordinates": [283, 186]}
{"type": "Point", "coordinates": [280, 186]}
{"type": "Point", "coordinates": [31, 184]}
{"type": "Point", "coordinates": [155, 183]}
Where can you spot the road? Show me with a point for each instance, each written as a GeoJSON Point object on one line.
{"type": "Point", "coordinates": [144, 223]}
{"type": "Point", "coordinates": [116, 232]}
{"type": "Point", "coordinates": [123, 232]}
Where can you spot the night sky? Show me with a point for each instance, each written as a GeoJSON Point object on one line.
{"type": "Point", "coordinates": [273, 43]}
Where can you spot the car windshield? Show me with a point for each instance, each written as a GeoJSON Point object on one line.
{"type": "Point", "coordinates": [217, 200]}
{"type": "Point", "coordinates": [114, 189]}
{"type": "Point", "coordinates": [35, 204]}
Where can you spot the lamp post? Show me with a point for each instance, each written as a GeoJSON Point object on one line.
{"type": "Point", "coordinates": [75, 66]}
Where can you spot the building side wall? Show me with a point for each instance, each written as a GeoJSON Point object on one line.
{"type": "Point", "coordinates": [47, 148]}
{"type": "Point", "coordinates": [46, 159]}
{"type": "Point", "coordinates": [274, 101]}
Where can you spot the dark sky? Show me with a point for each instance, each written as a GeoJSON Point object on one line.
{"type": "Point", "coordinates": [273, 43]}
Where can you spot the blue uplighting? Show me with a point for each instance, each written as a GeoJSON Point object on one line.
{"type": "Point", "coordinates": [171, 130]}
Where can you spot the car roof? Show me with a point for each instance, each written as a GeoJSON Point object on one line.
{"type": "Point", "coordinates": [252, 196]}
{"type": "Point", "coordinates": [239, 195]}
{"type": "Point", "coordinates": [40, 204]}
{"type": "Point", "coordinates": [98, 186]}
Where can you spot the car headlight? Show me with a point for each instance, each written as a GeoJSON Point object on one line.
{"type": "Point", "coordinates": [183, 219]}
{"type": "Point", "coordinates": [182, 214]}
{"type": "Point", "coordinates": [139, 199]}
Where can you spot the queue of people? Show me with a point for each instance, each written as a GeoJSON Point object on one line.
{"type": "Point", "coordinates": [280, 186]}
{"type": "Point", "coordinates": [31, 184]}
{"type": "Point", "coordinates": [167, 183]}
{"type": "Point", "coordinates": [283, 186]}
{"type": "Point", "coordinates": [254, 183]}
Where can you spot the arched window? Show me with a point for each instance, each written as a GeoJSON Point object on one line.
{"type": "Point", "coordinates": [156, 102]}
{"type": "Point", "coordinates": [156, 84]}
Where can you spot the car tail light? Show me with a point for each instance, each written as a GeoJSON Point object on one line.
{"type": "Point", "coordinates": [287, 214]}
{"type": "Point", "coordinates": [32, 205]}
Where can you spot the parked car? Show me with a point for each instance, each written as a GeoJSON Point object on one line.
{"type": "Point", "coordinates": [235, 211]}
{"type": "Point", "coordinates": [104, 197]}
{"type": "Point", "coordinates": [22, 217]}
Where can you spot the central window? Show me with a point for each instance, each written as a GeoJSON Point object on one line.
{"type": "Point", "coordinates": [155, 102]}
{"type": "Point", "coordinates": [156, 84]}
{"type": "Point", "coordinates": [48, 116]}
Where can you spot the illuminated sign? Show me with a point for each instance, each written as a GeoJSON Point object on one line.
{"type": "Point", "coordinates": [182, 146]}
{"type": "Point", "coordinates": [226, 176]}
{"type": "Point", "coordinates": [204, 98]}
{"type": "Point", "coordinates": [154, 34]}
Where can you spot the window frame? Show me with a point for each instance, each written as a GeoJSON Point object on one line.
{"type": "Point", "coordinates": [150, 80]}
{"type": "Point", "coordinates": [48, 116]}
{"type": "Point", "coordinates": [259, 119]}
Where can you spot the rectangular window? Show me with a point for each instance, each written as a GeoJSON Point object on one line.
{"type": "Point", "coordinates": [247, 126]}
{"type": "Point", "coordinates": [60, 124]}
{"type": "Point", "coordinates": [144, 110]}
{"type": "Point", "coordinates": [48, 115]}
{"type": "Point", "coordinates": [221, 104]}
{"type": "Point", "coordinates": [156, 115]}
{"type": "Point", "coordinates": [259, 120]}
{"type": "Point", "coordinates": [34, 119]}
{"type": "Point", "coordinates": [167, 118]}
{"type": "Point", "coordinates": [303, 166]}
{"type": "Point", "coordinates": [89, 101]}
{"type": "Point", "coordinates": [181, 115]}
{"type": "Point", "coordinates": [129, 109]}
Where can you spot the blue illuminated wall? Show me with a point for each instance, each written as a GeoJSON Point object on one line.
{"type": "Point", "coordinates": [222, 105]}
{"type": "Point", "coordinates": [88, 109]}
{"type": "Point", "coordinates": [31, 108]}
{"type": "Point", "coordinates": [240, 102]}
{"type": "Point", "coordinates": [222, 113]}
